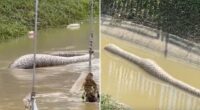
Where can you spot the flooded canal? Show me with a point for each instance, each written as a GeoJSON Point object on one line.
{"type": "Point", "coordinates": [131, 85]}
{"type": "Point", "coordinates": [52, 83]}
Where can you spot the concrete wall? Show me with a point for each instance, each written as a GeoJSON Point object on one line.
{"type": "Point", "coordinates": [168, 44]}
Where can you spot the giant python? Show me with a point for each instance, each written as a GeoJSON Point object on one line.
{"type": "Point", "coordinates": [153, 69]}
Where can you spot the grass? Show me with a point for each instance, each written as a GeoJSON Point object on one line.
{"type": "Point", "coordinates": [17, 16]}
{"type": "Point", "coordinates": [107, 103]}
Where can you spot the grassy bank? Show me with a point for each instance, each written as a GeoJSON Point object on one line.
{"type": "Point", "coordinates": [17, 16]}
{"type": "Point", "coordinates": [107, 103]}
{"type": "Point", "coordinates": [178, 17]}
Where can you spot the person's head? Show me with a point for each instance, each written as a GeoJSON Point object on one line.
{"type": "Point", "coordinates": [89, 76]}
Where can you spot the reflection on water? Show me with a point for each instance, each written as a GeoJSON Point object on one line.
{"type": "Point", "coordinates": [53, 83]}
{"type": "Point", "coordinates": [131, 85]}
{"type": "Point", "coordinates": [130, 81]}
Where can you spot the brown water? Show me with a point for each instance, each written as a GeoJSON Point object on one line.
{"type": "Point", "coordinates": [130, 85]}
{"type": "Point", "coordinates": [52, 84]}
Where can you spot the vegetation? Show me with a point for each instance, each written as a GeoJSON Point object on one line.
{"type": "Point", "coordinates": [179, 17]}
{"type": "Point", "coordinates": [17, 16]}
{"type": "Point", "coordinates": [107, 103]}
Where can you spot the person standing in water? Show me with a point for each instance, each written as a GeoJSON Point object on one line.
{"type": "Point", "coordinates": [90, 89]}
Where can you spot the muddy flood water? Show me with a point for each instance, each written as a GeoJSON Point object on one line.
{"type": "Point", "coordinates": [52, 83]}
{"type": "Point", "coordinates": [131, 85]}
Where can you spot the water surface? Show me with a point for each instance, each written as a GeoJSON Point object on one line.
{"type": "Point", "coordinates": [53, 83]}
{"type": "Point", "coordinates": [129, 84]}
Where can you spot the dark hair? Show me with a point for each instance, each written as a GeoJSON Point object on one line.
{"type": "Point", "coordinates": [89, 76]}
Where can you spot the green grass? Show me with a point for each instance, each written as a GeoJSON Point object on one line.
{"type": "Point", "coordinates": [17, 16]}
{"type": "Point", "coordinates": [107, 103]}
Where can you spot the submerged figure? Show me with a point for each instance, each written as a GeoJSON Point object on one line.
{"type": "Point", "coordinates": [90, 89]}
